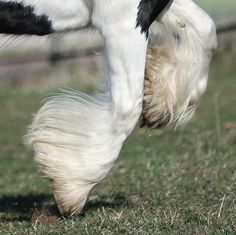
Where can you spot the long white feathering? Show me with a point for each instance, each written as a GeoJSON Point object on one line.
{"type": "Point", "coordinates": [75, 146]}
{"type": "Point", "coordinates": [178, 61]}
{"type": "Point", "coordinates": [76, 137]}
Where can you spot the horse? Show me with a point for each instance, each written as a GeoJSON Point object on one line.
{"type": "Point", "coordinates": [158, 54]}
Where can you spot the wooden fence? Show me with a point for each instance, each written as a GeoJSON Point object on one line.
{"type": "Point", "coordinates": [54, 56]}
{"type": "Point", "coordinates": [226, 28]}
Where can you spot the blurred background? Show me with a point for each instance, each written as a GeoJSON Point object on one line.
{"type": "Point", "coordinates": [75, 59]}
{"type": "Point", "coordinates": [192, 169]}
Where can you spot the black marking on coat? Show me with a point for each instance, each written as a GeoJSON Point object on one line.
{"type": "Point", "coordinates": [148, 11]}
{"type": "Point", "coordinates": [18, 19]}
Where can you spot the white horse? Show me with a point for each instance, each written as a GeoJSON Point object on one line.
{"type": "Point", "coordinates": [77, 138]}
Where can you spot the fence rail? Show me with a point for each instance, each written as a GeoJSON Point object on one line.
{"type": "Point", "coordinates": [54, 57]}
{"type": "Point", "coordinates": [226, 28]}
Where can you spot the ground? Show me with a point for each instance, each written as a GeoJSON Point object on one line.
{"type": "Point", "coordinates": [168, 181]}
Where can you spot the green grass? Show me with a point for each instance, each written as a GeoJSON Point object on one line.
{"type": "Point", "coordinates": [221, 11]}
{"type": "Point", "coordinates": [165, 182]}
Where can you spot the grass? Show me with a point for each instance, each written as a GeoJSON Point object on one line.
{"type": "Point", "coordinates": [165, 182]}
{"type": "Point", "coordinates": [219, 9]}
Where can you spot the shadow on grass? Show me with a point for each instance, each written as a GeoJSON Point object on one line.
{"type": "Point", "coordinates": [20, 208]}
{"type": "Point", "coordinates": [23, 208]}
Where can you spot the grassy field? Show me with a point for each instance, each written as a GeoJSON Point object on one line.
{"type": "Point", "coordinates": [165, 182]}
{"type": "Point", "coordinates": [221, 11]}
